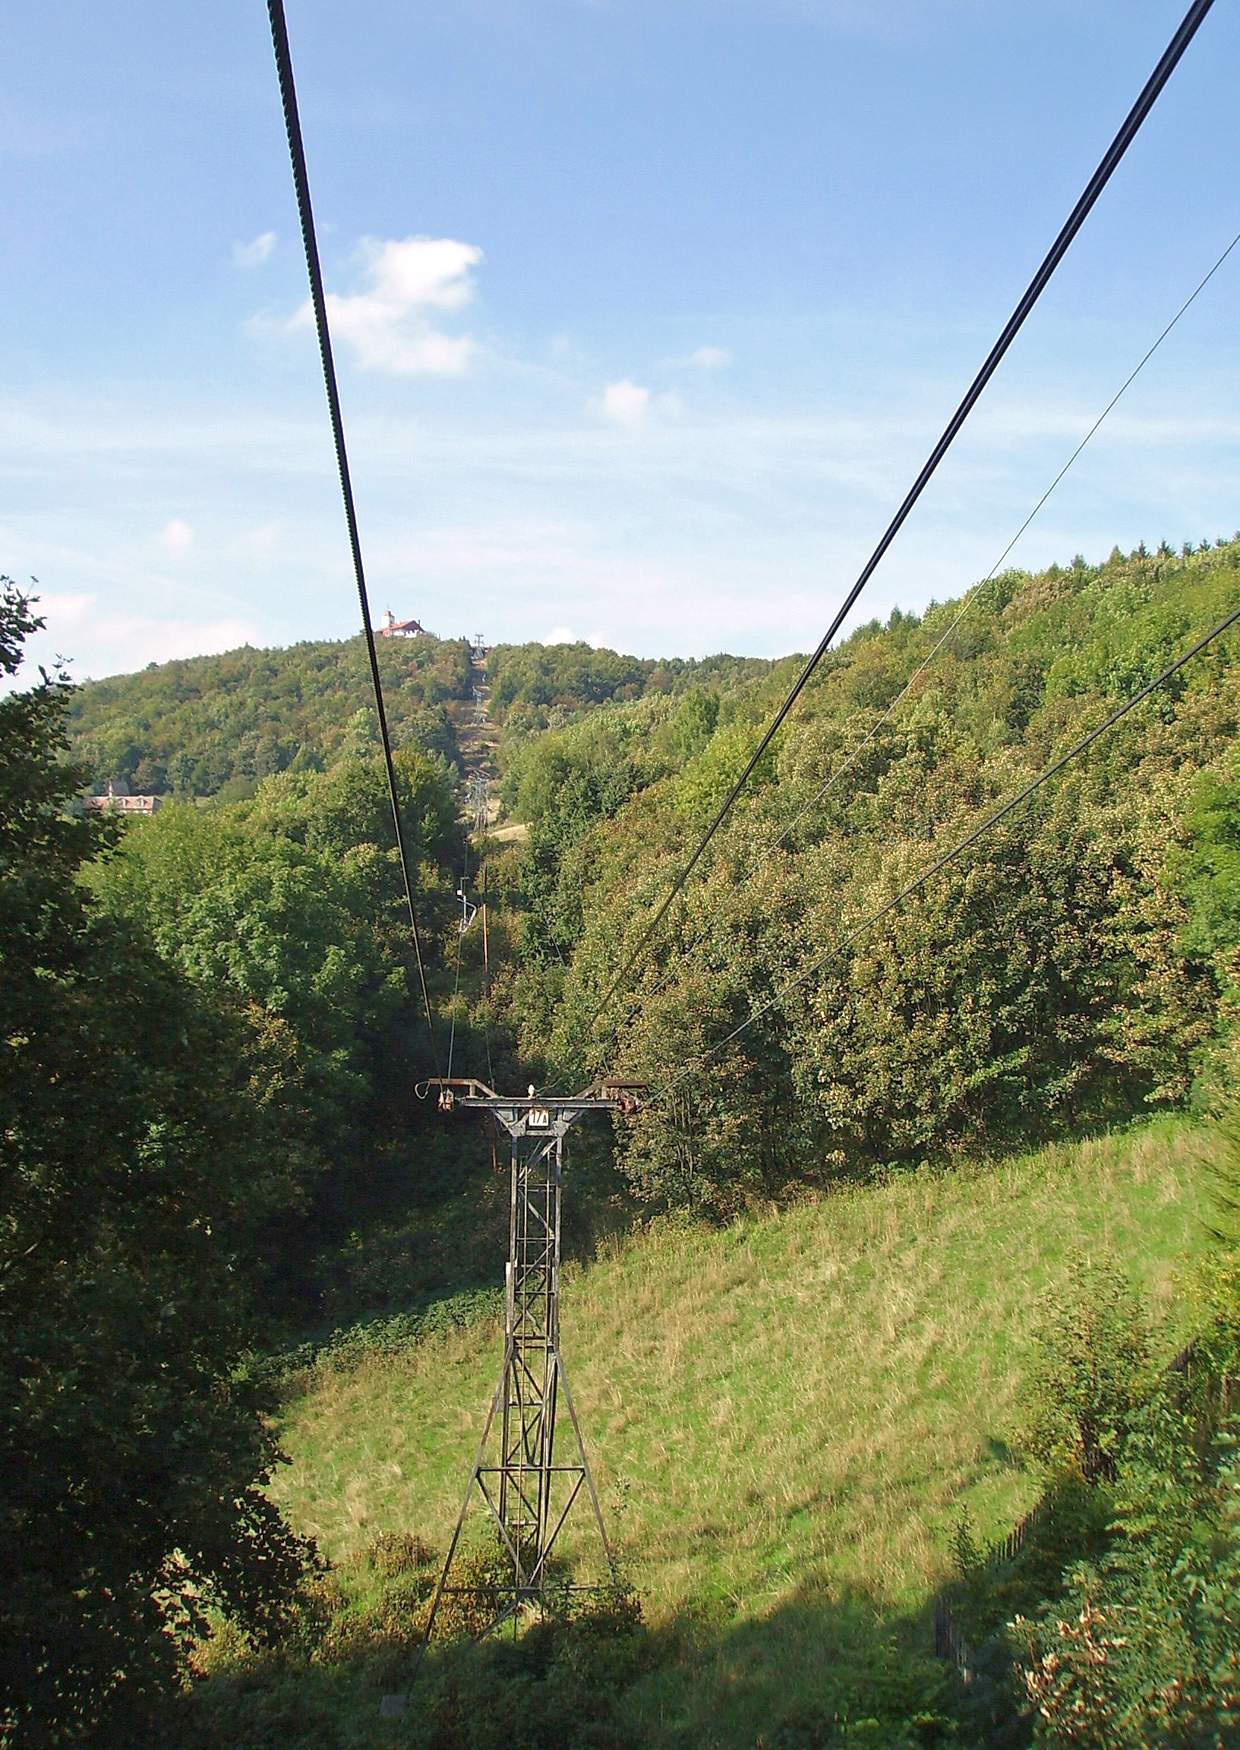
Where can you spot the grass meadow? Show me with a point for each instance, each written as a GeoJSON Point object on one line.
{"type": "Point", "coordinates": [785, 1416]}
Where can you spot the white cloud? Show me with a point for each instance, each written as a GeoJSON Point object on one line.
{"type": "Point", "coordinates": [625, 403]}
{"type": "Point", "coordinates": [707, 358]}
{"type": "Point", "coordinates": [66, 611]}
{"type": "Point", "coordinates": [631, 405]}
{"type": "Point", "coordinates": [387, 324]}
{"type": "Point", "coordinates": [255, 253]}
{"type": "Point", "coordinates": [176, 537]}
{"type": "Point", "coordinates": [120, 642]}
{"type": "Point", "coordinates": [561, 635]}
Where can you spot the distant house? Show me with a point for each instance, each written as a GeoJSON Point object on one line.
{"type": "Point", "coordinates": [394, 628]}
{"type": "Point", "coordinates": [118, 800]}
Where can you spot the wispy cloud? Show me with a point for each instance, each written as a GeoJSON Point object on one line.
{"type": "Point", "coordinates": [256, 252]}
{"type": "Point", "coordinates": [176, 537]}
{"type": "Point", "coordinates": [389, 324]}
{"type": "Point", "coordinates": [705, 358]}
{"type": "Point", "coordinates": [721, 526]}
{"type": "Point", "coordinates": [120, 642]}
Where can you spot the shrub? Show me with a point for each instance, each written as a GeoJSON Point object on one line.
{"type": "Point", "coordinates": [1089, 1372]}
{"type": "Point", "coordinates": [398, 1552]}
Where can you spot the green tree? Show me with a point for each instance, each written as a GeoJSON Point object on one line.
{"type": "Point", "coordinates": [209, 721]}
{"type": "Point", "coordinates": [134, 1457]}
{"type": "Point", "coordinates": [1209, 876]}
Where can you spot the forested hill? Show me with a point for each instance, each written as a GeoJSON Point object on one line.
{"type": "Point", "coordinates": [208, 1094]}
{"type": "Point", "coordinates": [208, 725]}
{"type": "Point", "coordinates": [220, 723]}
{"type": "Point", "coordinates": [545, 686]}
{"type": "Point", "coordinates": [1078, 964]}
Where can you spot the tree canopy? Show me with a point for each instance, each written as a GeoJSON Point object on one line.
{"type": "Point", "coordinates": [134, 1454]}
{"type": "Point", "coordinates": [207, 725]}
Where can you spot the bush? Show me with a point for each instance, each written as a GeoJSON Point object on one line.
{"type": "Point", "coordinates": [398, 1552]}
{"type": "Point", "coordinates": [1089, 1373]}
{"type": "Point", "coordinates": [1145, 1649]}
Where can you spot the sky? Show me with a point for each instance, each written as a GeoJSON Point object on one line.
{"type": "Point", "coordinates": [646, 312]}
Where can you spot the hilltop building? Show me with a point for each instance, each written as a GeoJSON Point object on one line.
{"type": "Point", "coordinates": [394, 628]}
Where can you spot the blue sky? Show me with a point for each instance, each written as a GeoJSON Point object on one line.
{"type": "Point", "coordinates": [646, 312]}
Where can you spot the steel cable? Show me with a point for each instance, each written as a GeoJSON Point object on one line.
{"type": "Point", "coordinates": [456, 983]}
{"type": "Point", "coordinates": [949, 857]}
{"type": "Point", "coordinates": [305, 214]}
{"type": "Point", "coordinates": [1110, 160]}
{"type": "Point", "coordinates": [486, 975]}
{"type": "Point", "coordinates": [971, 600]}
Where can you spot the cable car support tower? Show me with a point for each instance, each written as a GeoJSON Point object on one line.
{"type": "Point", "coordinates": [525, 1488]}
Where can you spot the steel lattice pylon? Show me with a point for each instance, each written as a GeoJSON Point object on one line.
{"type": "Point", "coordinates": [526, 1492]}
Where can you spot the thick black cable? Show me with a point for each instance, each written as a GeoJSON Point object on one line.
{"type": "Point", "coordinates": [970, 602]}
{"type": "Point", "coordinates": [1037, 285]}
{"type": "Point", "coordinates": [957, 850]}
{"type": "Point", "coordinates": [305, 214]}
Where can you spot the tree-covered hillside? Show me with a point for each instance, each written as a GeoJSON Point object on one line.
{"type": "Point", "coordinates": [545, 686]}
{"type": "Point", "coordinates": [212, 725]}
{"type": "Point", "coordinates": [1079, 963]}
{"type": "Point", "coordinates": [221, 723]}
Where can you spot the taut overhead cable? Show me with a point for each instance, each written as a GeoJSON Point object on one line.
{"type": "Point", "coordinates": [1111, 158]}
{"type": "Point", "coordinates": [305, 213]}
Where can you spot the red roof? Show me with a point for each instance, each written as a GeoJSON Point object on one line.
{"type": "Point", "coordinates": [392, 624]}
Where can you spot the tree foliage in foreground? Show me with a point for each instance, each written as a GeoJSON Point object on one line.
{"type": "Point", "coordinates": [1117, 1620]}
{"type": "Point", "coordinates": [1144, 1647]}
{"type": "Point", "coordinates": [287, 914]}
{"type": "Point", "coordinates": [1142, 1644]}
{"type": "Point", "coordinates": [133, 1459]}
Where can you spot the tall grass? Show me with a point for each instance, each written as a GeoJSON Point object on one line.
{"type": "Point", "coordinates": [786, 1418]}
{"type": "Point", "coordinates": [790, 1409]}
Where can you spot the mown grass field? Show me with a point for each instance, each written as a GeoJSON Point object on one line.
{"type": "Point", "coordinates": [785, 1416]}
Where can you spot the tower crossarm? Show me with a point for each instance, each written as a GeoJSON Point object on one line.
{"type": "Point", "coordinates": [531, 1113]}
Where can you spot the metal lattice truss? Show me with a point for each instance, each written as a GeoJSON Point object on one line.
{"type": "Point", "coordinates": [527, 1495]}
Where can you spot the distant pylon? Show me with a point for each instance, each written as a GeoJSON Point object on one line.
{"type": "Point", "coordinates": [479, 801]}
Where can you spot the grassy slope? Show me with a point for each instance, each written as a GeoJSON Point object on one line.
{"type": "Point", "coordinates": [786, 1415]}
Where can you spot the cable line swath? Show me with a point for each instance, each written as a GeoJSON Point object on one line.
{"type": "Point", "coordinates": [1107, 165]}
{"type": "Point", "coordinates": [969, 603]}
{"type": "Point", "coordinates": [305, 214]}
{"type": "Point", "coordinates": [949, 857]}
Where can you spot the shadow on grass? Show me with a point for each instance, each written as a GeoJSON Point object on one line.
{"type": "Point", "coordinates": [1004, 1454]}
{"type": "Point", "coordinates": [821, 1668]}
